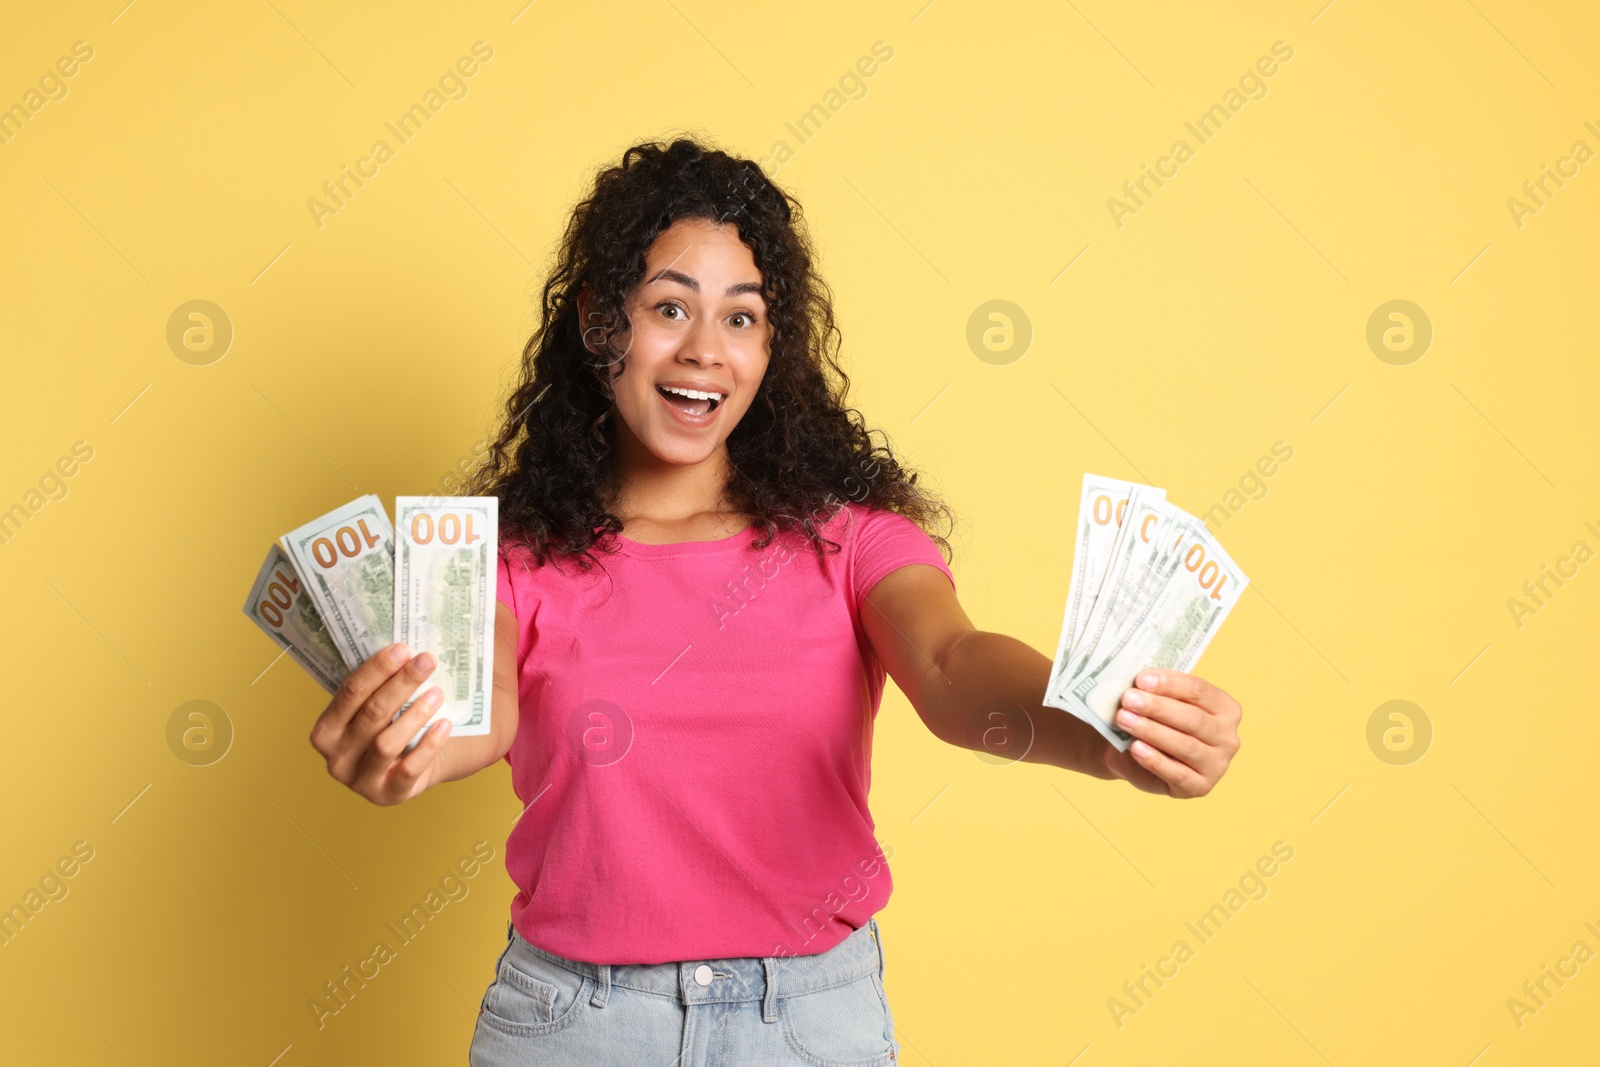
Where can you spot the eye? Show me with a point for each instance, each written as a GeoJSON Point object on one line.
{"type": "Point", "coordinates": [750, 319]}
{"type": "Point", "coordinates": [667, 304]}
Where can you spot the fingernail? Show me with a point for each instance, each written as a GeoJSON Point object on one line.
{"type": "Point", "coordinates": [433, 696]}
{"type": "Point", "coordinates": [1128, 718]}
{"type": "Point", "coordinates": [1141, 749]}
{"type": "Point", "coordinates": [425, 662]}
{"type": "Point", "coordinates": [443, 727]}
{"type": "Point", "coordinates": [1135, 699]}
{"type": "Point", "coordinates": [1148, 679]}
{"type": "Point", "coordinates": [398, 652]}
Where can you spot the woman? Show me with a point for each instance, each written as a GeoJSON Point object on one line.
{"type": "Point", "coordinates": [707, 567]}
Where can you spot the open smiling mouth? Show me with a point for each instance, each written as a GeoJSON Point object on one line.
{"type": "Point", "coordinates": [694, 406]}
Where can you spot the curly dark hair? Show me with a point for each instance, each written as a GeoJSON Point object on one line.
{"type": "Point", "coordinates": [798, 451]}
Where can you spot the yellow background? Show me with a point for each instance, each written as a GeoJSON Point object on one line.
{"type": "Point", "coordinates": [1229, 313]}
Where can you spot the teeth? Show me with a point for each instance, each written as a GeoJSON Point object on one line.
{"type": "Point", "coordinates": [693, 394]}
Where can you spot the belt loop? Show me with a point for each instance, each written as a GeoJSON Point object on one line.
{"type": "Point", "coordinates": [878, 942]}
{"type": "Point", "coordinates": [603, 985]}
{"type": "Point", "coordinates": [769, 1002]}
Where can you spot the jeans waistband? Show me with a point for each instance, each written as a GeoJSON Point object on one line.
{"type": "Point", "coordinates": [741, 978]}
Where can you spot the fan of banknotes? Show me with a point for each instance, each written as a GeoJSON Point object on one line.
{"type": "Point", "coordinates": [343, 586]}
{"type": "Point", "coordinates": [1150, 586]}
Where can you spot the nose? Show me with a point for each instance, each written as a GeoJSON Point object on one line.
{"type": "Point", "coordinates": [701, 345]}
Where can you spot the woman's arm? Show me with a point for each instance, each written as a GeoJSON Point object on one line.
{"type": "Point", "coordinates": [965, 683]}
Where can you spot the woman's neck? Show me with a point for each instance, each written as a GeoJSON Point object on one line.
{"type": "Point", "coordinates": [674, 497]}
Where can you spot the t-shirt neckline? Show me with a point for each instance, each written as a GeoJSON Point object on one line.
{"type": "Point", "coordinates": [628, 546]}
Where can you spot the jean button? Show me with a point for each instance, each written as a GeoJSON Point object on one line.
{"type": "Point", "coordinates": [702, 974]}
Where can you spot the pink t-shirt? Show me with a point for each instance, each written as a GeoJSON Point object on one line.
{"type": "Point", "coordinates": [695, 743]}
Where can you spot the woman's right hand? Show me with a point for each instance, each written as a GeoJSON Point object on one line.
{"type": "Point", "coordinates": [364, 749]}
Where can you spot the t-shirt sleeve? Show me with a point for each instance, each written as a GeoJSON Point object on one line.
{"type": "Point", "coordinates": [886, 540]}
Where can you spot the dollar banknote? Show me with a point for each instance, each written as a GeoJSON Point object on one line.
{"type": "Point", "coordinates": [281, 606]}
{"type": "Point", "coordinates": [347, 560]}
{"type": "Point", "coordinates": [446, 555]}
{"type": "Point", "coordinates": [1125, 563]}
{"type": "Point", "coordinates": [1143, 563]}
{"type": "Point", "coordinates": [1166, 587]}
{"type": "Point", "coordinates": [1101, 507]}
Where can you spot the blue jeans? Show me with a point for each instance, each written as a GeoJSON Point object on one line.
{"type": "Point", "coordinates": [825, 1010]}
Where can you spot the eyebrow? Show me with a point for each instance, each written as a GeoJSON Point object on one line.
{"type": "Point", "coordinates": [693, 286]}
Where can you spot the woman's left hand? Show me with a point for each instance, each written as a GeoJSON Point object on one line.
{"type": "Point", "coordinates": [1185, 730]}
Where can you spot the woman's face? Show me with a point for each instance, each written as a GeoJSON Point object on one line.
{"type": "Point", "coordinates": [699, 323]}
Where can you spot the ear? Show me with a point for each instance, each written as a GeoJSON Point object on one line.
{"type": "Point", "coordinates": [584, 302]}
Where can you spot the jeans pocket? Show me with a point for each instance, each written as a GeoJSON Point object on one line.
{"type": "Point", "coordinates": [532, 995]}
{"type": "Point", "coordinates": [842, 1026]}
